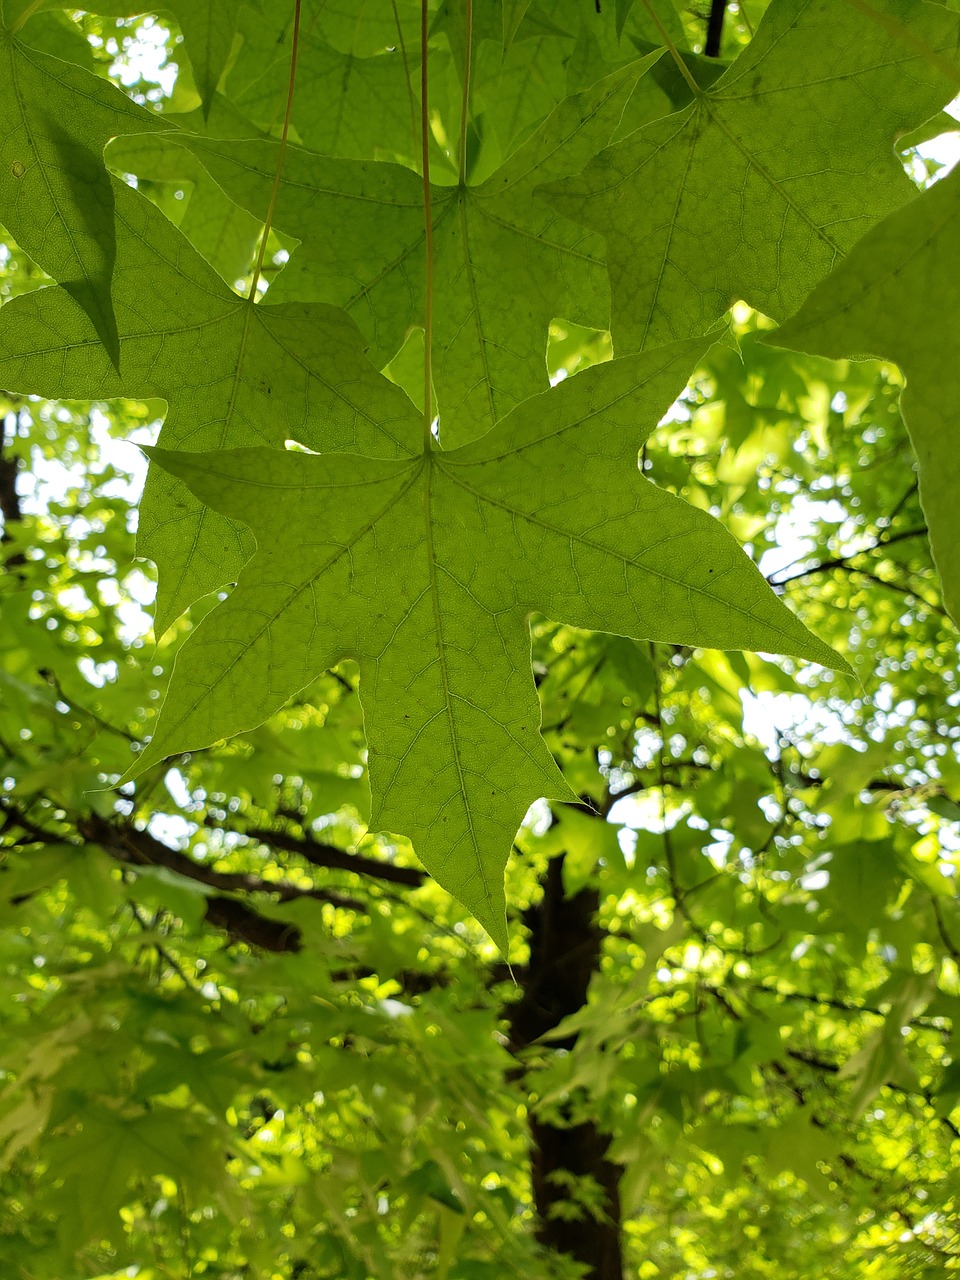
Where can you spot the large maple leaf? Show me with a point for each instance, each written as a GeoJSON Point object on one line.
{"type": "Point", "coordinates": [757, 188]}
{"type": "Point", "coordinates": [505, 266]}
{"type": "Point", "coordinates": [232, 373]}
{"type": "Point", "coordinates": [897, 296]}
{"type": "Point", "coordinates": [425, 571]}
{"type": "Point", "coordinates": [56, 197]}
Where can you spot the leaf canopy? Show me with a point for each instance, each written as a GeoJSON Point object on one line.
{"type": "Point", "coordinates": [244, 1034]}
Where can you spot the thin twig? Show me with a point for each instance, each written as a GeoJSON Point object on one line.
{"type": "Point", "coordinates": [675, 887]}
{"type": "Point", "coordinates": [673, 51]}
{"type": "Point", "coordinates": [160, 949]}
{"type": "Point", "coordinates": [25, 16]}
{"type": "Point", "coordinates": [841, 562]}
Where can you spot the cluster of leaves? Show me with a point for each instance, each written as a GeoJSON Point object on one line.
{"type": "Point", "coordinates": [265, 1071]}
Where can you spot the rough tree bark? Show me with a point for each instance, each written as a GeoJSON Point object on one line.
{"type": "Point", "coordinates": [565, 942]}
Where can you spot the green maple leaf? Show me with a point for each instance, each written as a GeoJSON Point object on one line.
{"type": "Point", "coordinates": [110, 1151]}
{"type": "Point", "coordinates": [232, 373]}
{"type": "Point", "coordinates": [897, 296]}
{"type": "Point", "coordinates": [757, 188]}
{"type": "Point", "coordinates": [504, 267]}
{"type": "Point", "coordinates": [56, 197]}
{"type": "Point", "coordinates": [425, 571]}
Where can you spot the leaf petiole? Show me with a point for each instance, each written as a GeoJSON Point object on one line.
{"type": "Point", "coordinates": [427, 232]}
{"type": "Point", "coordinates": [673, 51]}
{"type": "Point", "coordinates": [268, 221]}
{"type": "Point", "coordinates": [465, 105]}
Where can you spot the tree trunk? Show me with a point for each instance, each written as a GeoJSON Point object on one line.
{"type": "Point", "coordinates": [564, 954]}
{"type": "Point", "coordinates": [9, 498]}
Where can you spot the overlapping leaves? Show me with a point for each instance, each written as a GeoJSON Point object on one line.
{"type": "Point", "coordinates": [505, 266]}
{"type": "Point", "coordinates": [425, 567]}
{"type": "Point", "coordinates": [898, 296]}
{"type": "Point", "coordinates": [232, 373]}
{"type": "Point", "coordinates": [56, 198]}
{"type": "Point", "coordinates": [765, 181]}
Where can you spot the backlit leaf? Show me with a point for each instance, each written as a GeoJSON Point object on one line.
{"type": "Point", "coordinates": [56, 197]}
{"type": "Point", "coordinates": [425, 571]}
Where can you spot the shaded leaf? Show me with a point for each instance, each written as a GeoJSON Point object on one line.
{"type": "Point", "coordinates": [56, 197]}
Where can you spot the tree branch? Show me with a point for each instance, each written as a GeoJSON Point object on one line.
{"type": "Point", "coordinates": [718, 10]}
{"type": "Point", "coordinates": [140, 848]}
{"type": "Point", "coordinates": [245, 925]}
{"type": "Point", "coordinates": [10, 507]}
{"type": "Point", "coordinates": [843, 562]}
{"type": "Point", "coordinates": [329, 856]}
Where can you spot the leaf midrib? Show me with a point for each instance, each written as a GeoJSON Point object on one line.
{"type": "Point", "coordinates": [430, 461]}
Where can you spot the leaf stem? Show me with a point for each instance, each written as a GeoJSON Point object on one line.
{"type": "Point", "coordinates": [275, 190]}
{"type": "Point", "coordinates": [674, 53]}
{"type": "Point", "coordinates": [427, 232]}
{"type": "Point", "coordinates": [25, 16]}
{"type": "Point", "coordinates": [465, 106]}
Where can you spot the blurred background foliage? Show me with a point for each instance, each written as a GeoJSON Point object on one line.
{"type": "Point", "coordinates": [244, 1038]}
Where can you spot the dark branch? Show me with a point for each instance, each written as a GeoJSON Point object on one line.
{"type": "Point", "coordinates": [327, 855]}
{"type": "Point", "coordinates": [9, 498]}
{"type": "Point", "coordinates": [244, 925]}
{"type": "Point", "coordinates": [140, 848]}
{"type": "Point", "coordinates": [843, 562]}
{"type": "Point", "coordinates": [718, 11]}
